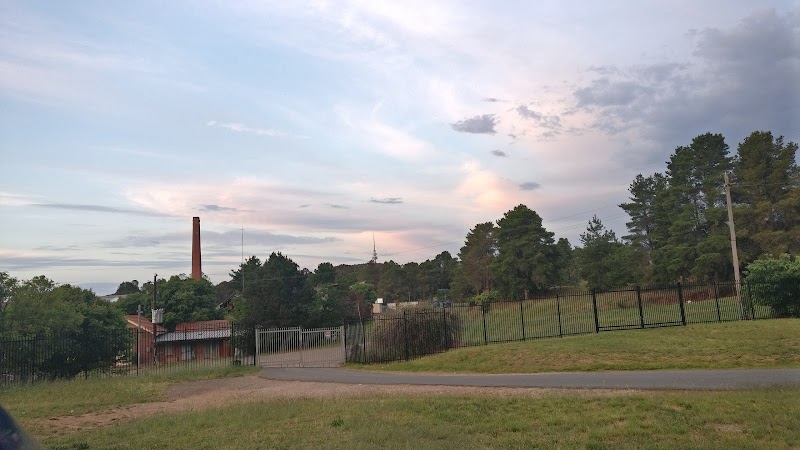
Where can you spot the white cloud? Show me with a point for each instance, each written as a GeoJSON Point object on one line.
{"type": "Point", "coordinates": [242, 128]}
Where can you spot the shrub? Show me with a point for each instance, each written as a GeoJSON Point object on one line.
{"type": "Point", "coordinates": [406, 334]}
{"type": "Point", "coordinates": [775, 282]}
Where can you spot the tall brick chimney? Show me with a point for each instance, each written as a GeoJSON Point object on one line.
{"type": "Point", "coordinates": [197, 268]}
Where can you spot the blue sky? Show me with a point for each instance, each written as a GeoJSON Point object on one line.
{"type": "Point", "coordinates": [313, 125]}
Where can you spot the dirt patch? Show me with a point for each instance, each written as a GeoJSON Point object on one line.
{"type": "Point", "coordinates": [198, 395]}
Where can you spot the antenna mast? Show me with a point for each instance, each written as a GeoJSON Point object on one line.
{"type": "Point", "coordinates": [374, 251]}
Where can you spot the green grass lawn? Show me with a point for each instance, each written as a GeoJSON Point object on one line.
{"type": "Point", "coordinates": [574, 314]}
{"type": "Point", "coordinates": [754, 418]}
{"type": "Point", "coordinates": [747, 344]}
{"type": "Point", "coordinates": [73, 397]}
{"type": "Point", "coordinates": [768, 419]}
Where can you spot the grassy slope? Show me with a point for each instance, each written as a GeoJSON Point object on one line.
{"type": "Point", "coordinates": [751, 344]}
{"type": "Point", "coordinates": [768, 419]}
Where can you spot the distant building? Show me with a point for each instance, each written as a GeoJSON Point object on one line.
{"type": "Point", "coordinates": [208, 339]}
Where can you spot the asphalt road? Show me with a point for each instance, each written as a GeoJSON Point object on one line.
{"type": "Point", "coordinates": [654, 379]}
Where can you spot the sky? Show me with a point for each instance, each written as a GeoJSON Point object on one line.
{"type": "Point", "coordinates": [307, 128]}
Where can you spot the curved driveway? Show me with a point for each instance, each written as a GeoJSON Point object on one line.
{"type": "Point", "coordinates": [652, 379]}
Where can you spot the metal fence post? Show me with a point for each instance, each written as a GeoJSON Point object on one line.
{"type": "Point", "coordinates": [33, 360]}
{"type": "Point", "coordinates": [752, 305]}
{"type": "Point", "coordinates": [446, 334]}
{"type": "Point", "coordinates": [364, 339]}
{"type": "Point", "coordinates": [716, 300]}
{"type": "Point", "coordinates": [522, 319]}
{"type": "Point", "coordinates": [641, 310]}
{"type": "Point", "coordinates": [485, 336]}
{"type": "Point", "coordinates": [138, 351]}
{"type": "Point", "coordinates": [680, 303]}
{"type": "Point", "coordinates": [594, 308]}
{"type": "Point", "coordinates": [405, 332]}
{"type": "Point", "coordinates": [558, 312]}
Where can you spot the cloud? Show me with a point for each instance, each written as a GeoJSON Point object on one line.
{"type": "Point", "coordinates": [98, 208]}
{"type": "Point", "coordinates": [529, 186]}
{"type": "Point", "coordinates": [210, 238]}
{"type": "Point", "coordinates": [11, 199]}
{"type": "Point", "coordinates": [479, 124]}
{"type": "Point", "coordinates": [335, 206]}
{"type": "Point", "coordinates": [499, 153]}
{"type": "Point", "coordinates": [382, 137]}
{"type": "Point", "coordinates": [606, 92]}
{"type": "Point", "coordinates": [242, 128]}
{"type": "Point", "coordinates": [387, 200]}
{"type": "Point", "coordinates": [216, 208]}
{"type": "Point", "coordinates": [550, 122]}
{"type": "Point", "coordinates": [492, 100]}
{"type": "Point", "coordinates": [742, 78]}
{"type": "Point", "coordinates": [774, 37]}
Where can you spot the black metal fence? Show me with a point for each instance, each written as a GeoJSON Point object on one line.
{"type": "Point", "coordinates": [126, 352]}
{"type": "Point", "coordinates": [409, 333]}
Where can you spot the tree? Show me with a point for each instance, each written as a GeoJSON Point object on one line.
{"type": "Point", "coordinates": [690, 212]}
{"type": "Point", "coordinates": [90, 333]}
{"type": "Point", "coordinates": [129, 304]}
{"type": "Point", "coordinates": [185, 299]}
{"type": "Point", "coordinates": [324, 274]}
{"type": "Point", "coordinates": [276, 293]}
{"type": "Point", "coordinates": [411, 280]}
{"type": "Point", "coordinates": [127, 287]}
{"type": "Point", "coordinates": [603, 258]}
{"type": "Point", "coordinates": [527, 259]}
{"type": "Point", "coordinates": [435, 274]}
{"type": "Point", "coordinates": [392, 282]}
{"type": "Point", "coordinates": [568, 272]}
{"type": "Point", "coordinates": [361, 296]}
{"type": "Point", "coordinates": [775, 282]}
{"type": "Point", "coordinates": [766, 189]}
{"type": "Point", "coordinates": [643, 211]}
{"type": "Point", "coordinates": [246, 274]}
{"type": "Point", "coordinates": [476, 256]}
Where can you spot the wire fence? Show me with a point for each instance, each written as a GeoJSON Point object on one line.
{"type": "Point", "coordinates": [130, 351]}
{"type": "Point", "coordinates": [410, 333]}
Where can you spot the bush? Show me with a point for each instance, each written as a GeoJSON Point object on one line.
{"type": "Point", "coordinates": [775, 282]}
{"type": "Point", "coordinates": [406, 334]}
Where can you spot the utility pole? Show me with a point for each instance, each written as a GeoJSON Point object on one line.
{"type": "Point", "coordinates": [734, 253]}
{"type": "Point", "coordinates": [153, 314]}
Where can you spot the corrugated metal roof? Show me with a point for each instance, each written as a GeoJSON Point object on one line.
{"type": "Point", "coordinates": [176, 336]}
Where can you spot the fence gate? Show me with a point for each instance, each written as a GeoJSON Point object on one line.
{"type": "Point", "coordinates": [298, 347]}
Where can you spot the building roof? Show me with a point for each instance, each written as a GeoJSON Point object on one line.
{"type": "Point", "coordinates": [208, 334]}
{"type": "Point", "coordinates": [143, 323]}
{"type": "Point", "coordinates": [203, 325]}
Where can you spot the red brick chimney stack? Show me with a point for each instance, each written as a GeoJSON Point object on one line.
{"type": "Point", "coordinates": [197, 268]}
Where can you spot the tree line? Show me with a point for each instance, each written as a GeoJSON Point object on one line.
{"type": "Point", "coordinates": [677, 231]}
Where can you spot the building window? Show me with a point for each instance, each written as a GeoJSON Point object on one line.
{"type": "Point", "coordinates": [168, 350]}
